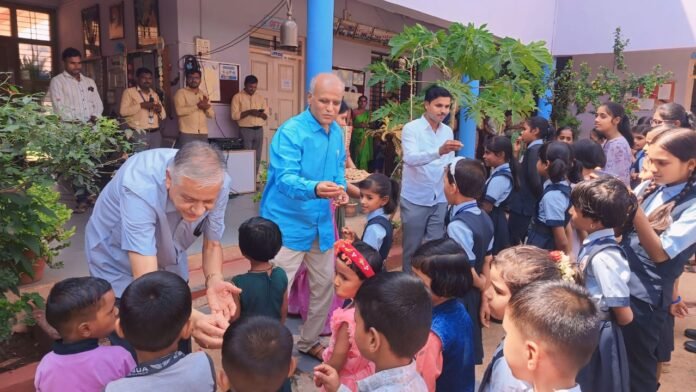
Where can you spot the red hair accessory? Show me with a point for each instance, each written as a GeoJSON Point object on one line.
{"type": "Point", "coordinates": [556, 255]}
{"type": "Point", "coordinates": [352, 256]}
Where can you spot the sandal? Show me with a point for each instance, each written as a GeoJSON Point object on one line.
{"type": "Point", "coordinates": [315, 352]}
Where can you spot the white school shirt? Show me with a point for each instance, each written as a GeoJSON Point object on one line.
{"type": "Point", "coordinates": [422, 179]}
{"type": "Point", "coordinates": [680, 234]}
{"type": "Point", "coordinates": [75, 100]}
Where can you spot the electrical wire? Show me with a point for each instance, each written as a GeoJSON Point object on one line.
{"type": "Point", "coordinates": [246, 34]}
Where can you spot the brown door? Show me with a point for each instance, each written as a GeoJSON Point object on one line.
{"type": "Point", "coordinates": [9, 59]}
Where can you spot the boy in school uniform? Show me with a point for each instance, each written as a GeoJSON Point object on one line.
{"type": "Point", "coordinates": [155, 316]}
{"type": "Point", "coordinates": [257, 356]}
{"type": "Point", "coordinates": [551, 332]}
{"type": "Point", "coordinates": [473, 230]}
{"type": "Point", "coordinates": [392, 323]}
{"type": "Point", "coordinates": [83, 311]}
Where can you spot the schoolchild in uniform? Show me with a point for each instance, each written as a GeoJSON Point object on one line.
{"type": "Point", "coordinates": [600, 206]}
{"type": "Point", "coordinates": [548, 229]}
{"type": "Point", "coordinates": [639, 133]}
{"type": "Point", "coordinates": [658, 247]}
{"type": "Point", "coordinates": [379, 197]}
{"type": "Point", "coordinates": [472, 229]}
{"type": "Point", "coordinates": [524, 200]}
{"type": "Point", "coordinates": [499, 186]}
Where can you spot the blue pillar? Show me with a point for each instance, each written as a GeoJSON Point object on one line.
{"type": "Point", "coordinates": [544, 102]}
{"type": "Point", "coordinates": [320, 15]}
{"type": "Point", "coordinates": [467, 126]}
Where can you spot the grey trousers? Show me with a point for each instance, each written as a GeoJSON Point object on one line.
{"type": "Point", "coordinates": [144, 140]}
{"type": "Point", "coordinates": [320, 270]}
{"type": "Point", "coordinates": [189, 137]}
{"type": "Point", "coordinates": [253, 140]}
{"type": "Point", "coordinates": [419, 224]}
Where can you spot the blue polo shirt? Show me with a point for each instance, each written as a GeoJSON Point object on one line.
{"type": "Point", "coordinates": [301, 155]}
{"type": "Point", "coordinates": [134, 213]}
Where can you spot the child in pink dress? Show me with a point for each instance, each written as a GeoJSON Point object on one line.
{"type": "Point", "coordinates": [354, 264]}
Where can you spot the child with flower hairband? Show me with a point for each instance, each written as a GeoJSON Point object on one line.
{"type": "Point", "coordinates": [355, 263]}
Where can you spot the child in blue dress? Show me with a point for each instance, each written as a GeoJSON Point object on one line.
{"type": "Point", "coordinates": [548, 229]}
{"type": "Point", "coordinates": [472, 229]}
{"type": "Point", "coordinates": [499, 186]}
{"type": "Point", "coordinates": [658, 246]}
{"type": "Point", "coordinates": [447, 360]}
{"type": "Point", "coordinates": [379, 197]}
{"type": "Point", "coordinates": [598, 207]}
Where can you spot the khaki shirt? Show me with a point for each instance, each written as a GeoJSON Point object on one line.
{"type": "Point", "coordinates": [191, 118]}
{"type": "Point", "coordinates": [241, 102]}
{"type": "Point", "coordinates": [137, 117]}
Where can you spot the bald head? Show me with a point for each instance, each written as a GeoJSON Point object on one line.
{"type": "Point", "coordinates": [325, 96]}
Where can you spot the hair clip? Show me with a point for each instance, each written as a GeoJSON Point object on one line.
{"type": "Point", "coordinates": [353, 257]}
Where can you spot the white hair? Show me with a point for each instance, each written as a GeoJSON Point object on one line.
{"type": "Point", "coordinates": [313, 82]}
{"type": "Point", "coordinates": [200, 162]}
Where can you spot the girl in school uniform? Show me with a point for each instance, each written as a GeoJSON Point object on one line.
{"type": "Point", "coordinates": [379, 197]}
{"type": "Point", "coordinates": [612, 122]}
{"type": "Point", "coordinates": [499, 186]}
{"type": "Point", "coordinates": [523, 201]}
{"type": "Point", "coordinates": [658, 246]}
{"type": "Point", "coordinates": [548, 229]}
{"type": "Point", "coordinates": [472, 229]}
{"type": "Point", "coordinates": [598, 207]}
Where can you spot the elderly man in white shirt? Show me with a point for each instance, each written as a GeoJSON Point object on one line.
{"type": "Point", "coordinates": [74, 96]}
{"type": "Point", "coordinates": [428, 147]}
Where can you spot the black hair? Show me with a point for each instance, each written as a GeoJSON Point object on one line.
{"type": "Point", "coordinates": [560, 130]}
{"type": "Point", "coordinates": [675, 112]}
{"type": "Point", "coordinates": [384, 187]}
{"type": "Point", "coordinates": [605, 199]}
{"type": "Point", "coordinates": [434, 92]}
{"type": "Point", "coordinates": [498, 144]}
{"type": "Point", "coordinates": [542, 124]}
{"type": "Point", "coordinates": [398, 306]}
{"type": "Point", "coordinates": [680, 142]}
{"type": "Point", "coordinates": [74, 299]}
{"type": "Point", "coordinates": [374, 259]}
{"type": "Point", "coordinates": [259, 350]}
{"type": "Point", "coordinates": [154, 308]}
{"type": "Point", "coordinates": [361, 97]}
{"type": "Point", "coordinates": [589, 154]}
{"type": "Point", "coordinates": [344, 107]}
{"type": "Point", "coordinates": [559, 157]}
{"type": "Point", "coordinates": [446, 263]}
{"type": "Point", "coordinates": [71, 52]}
{"type": "Point", "coordinates": [470, 177]}
{"type": "Point", "coordinates": [192, 71]}
{"type": "Point", "coordinates": [598, 135]}
{"type": "Point", "coordinates": [142, 70]}
{"type": "Point", "coordinates": [260, 239]}
{"type": "Point", "coordinates": [560, 314]}
{"type": "Point", "coordinates": [642, 129]}
{"type": "Point", "coordinates": [616, 110]}
{"type": "Point", "coordinates": [250, 79]}
{"type": "Point", "coordinates": [644, 120]}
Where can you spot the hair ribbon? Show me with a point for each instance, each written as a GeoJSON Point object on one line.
{"type": "Point", "coordinates": [353, 257]}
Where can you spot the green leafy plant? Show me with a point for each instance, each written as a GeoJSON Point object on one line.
{"type": "Point", "coordinates": [583, 89]}
{"type": "Point", "coordinates": [511, 74]}
{"type": "Point", "coordinates": [263, 178]}
{"type": "Point", "coordinates": [37, 150]}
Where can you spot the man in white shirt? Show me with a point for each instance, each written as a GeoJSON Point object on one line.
{"type": "Point", "coordinates": [74, 96]}
{"type": "Point", "coordinates": [428, 147]}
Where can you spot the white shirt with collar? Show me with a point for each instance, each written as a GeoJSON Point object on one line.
{"type": "Point", "coordinates": [74, 99]}
{"type": "Point", "coordinates": [422, 178]}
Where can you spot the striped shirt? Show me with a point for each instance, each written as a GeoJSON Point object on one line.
{"type": "Point", "coordinates": [74, 99]}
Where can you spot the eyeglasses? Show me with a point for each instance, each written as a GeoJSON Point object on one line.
{"type": "Point", "coordinates": [655, 122]}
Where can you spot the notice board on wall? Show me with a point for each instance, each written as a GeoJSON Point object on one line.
{"type": "Point", "coordinates": [219, 80]}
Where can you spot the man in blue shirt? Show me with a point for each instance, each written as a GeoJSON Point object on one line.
{"type": "Point", "coordinates": [307, 174]}
{"type": "Point", "coordinates": [145, 219]}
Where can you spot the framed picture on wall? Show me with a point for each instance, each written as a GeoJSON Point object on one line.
{"type": "Point", "coordinates": [91, 33]}
{"type": "Point", "coordinates": [146, 22]}
{"type": "Point", "coordinates": [116, 21]}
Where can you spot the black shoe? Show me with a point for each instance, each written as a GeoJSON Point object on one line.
{"type": "Point", "coordinates": [690, 346]}
{"type": "Point", "coordinates": [690, 333]}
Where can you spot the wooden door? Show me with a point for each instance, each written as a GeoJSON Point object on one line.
{"type": "Point", "coordinates": [279, 83]}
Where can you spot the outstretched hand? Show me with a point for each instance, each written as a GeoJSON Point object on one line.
{"type": "Point", "coordinates": [221, 298]}
{"type": "Point", "coordinates": [208, 329]}
{"type": "Point", "coordinates": [327, 377]}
